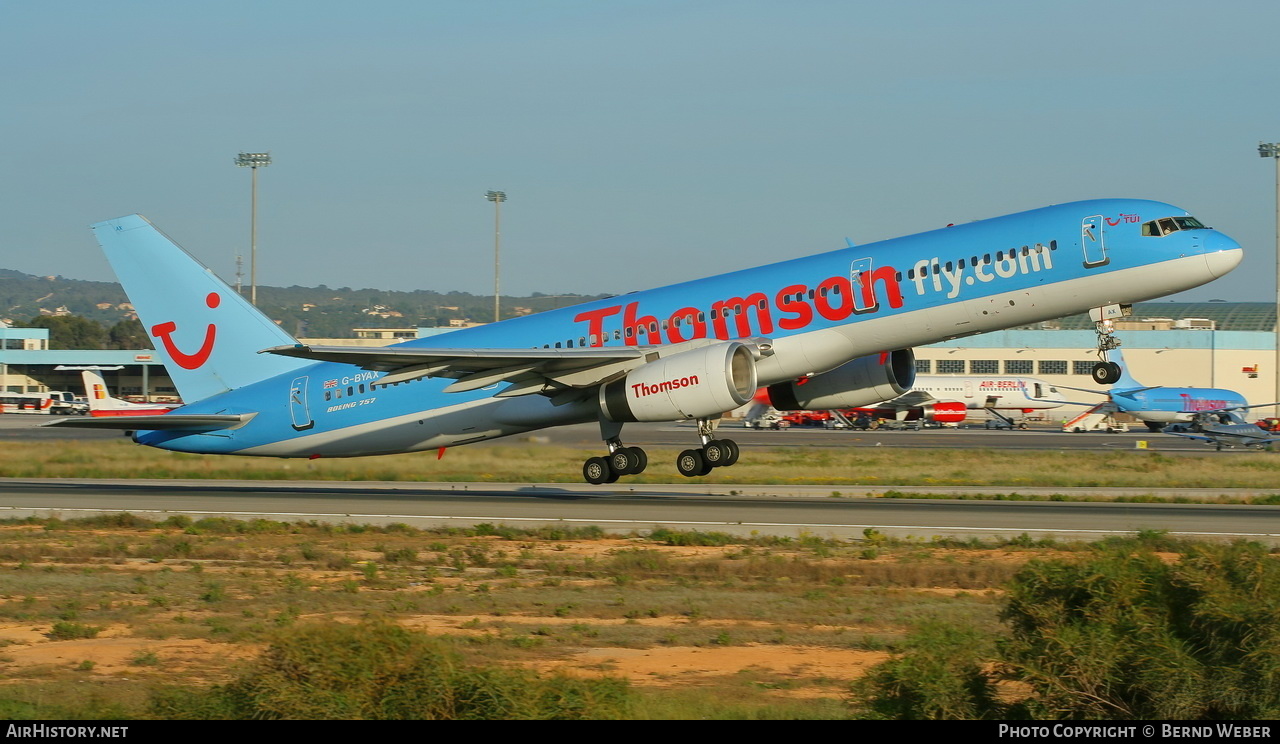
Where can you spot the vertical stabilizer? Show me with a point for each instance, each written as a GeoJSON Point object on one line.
{"type": "Point", "coordinates": [95, 391]}
{"type": "Point", "coordinates": [208, 334]}
{"type": "Point", "coordinates": [1126, 380]}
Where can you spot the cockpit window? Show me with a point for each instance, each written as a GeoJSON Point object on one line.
{"type": "Point", "coordinates": [1166, 225]}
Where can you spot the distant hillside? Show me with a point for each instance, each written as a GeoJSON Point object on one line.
{"type": "Point", "coordinates": [316, 312]}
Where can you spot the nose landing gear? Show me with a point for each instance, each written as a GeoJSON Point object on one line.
{"type": "Point", "coordinates": [1107, 372]}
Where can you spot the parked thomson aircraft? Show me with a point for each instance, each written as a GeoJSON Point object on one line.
{"type": "Point", "coordinates": [1224, 429]}
{"type": "Point", "coordinates": [842, 322]}
{"type": "Point", "coordinates": [1160, 406]}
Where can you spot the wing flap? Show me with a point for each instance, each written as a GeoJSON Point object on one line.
{"type": "Point", "coordinates": [459, 361]}
{"type": "Point", "coordinates": [533, 369]}
{"type": "Point", "coordinates": [529, 370]}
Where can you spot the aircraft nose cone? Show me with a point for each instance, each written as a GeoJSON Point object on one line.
{"type": "Point", "coordinates": [1221, 254]}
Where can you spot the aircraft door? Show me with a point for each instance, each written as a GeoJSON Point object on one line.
{"type": "Point", "coordinates": [1093, 241]}
{"type": "Point", "coordinates": [860, 272]}
{"type": "Point", "coordinates": [298, 408]}
{"type": "Point", "coordinates": [968, 388]}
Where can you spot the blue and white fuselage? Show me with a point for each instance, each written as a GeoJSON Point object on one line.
{"type": "Point", "coordinates": [1158, 405]}
{"type": "Point", "coordinates": [799, 318]}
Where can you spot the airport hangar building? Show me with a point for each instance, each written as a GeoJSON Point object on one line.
{"type": "Point", "coordinates": [1211, 344]}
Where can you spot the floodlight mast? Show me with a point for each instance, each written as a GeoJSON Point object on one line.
{"type": "Point", "coordinates": [1272, 150]}
{"type": "Point", "coordinates": [497, 197]}
{"type": "Point", "coordinates": [253, 161]}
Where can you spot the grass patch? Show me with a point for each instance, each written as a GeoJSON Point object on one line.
{"type": "Point", "coordinates": [519, 599]}
{"type": "Point", "coordinates": [852, 466]}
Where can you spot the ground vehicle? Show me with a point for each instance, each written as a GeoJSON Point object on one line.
{"type": "Point", "coordinates": [56, 402]}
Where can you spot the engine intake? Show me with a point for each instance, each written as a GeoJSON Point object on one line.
{"type": "Point", "coordinates": [691, 384]}
{"type": "Point", "coordinates": [863, 382]}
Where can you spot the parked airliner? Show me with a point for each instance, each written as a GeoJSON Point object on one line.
{"type": "Point", "coordinates": [1160, 406]}
{"type": "Point", "coordinates": [942, 399]}
{"type": "Point", "coordinates": [102, 403]}
{"type": "Point", "coordinates": [948, 400]}
{"type": "Point", "coordinates": [834, 329]}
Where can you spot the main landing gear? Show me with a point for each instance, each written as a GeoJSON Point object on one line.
{"type": "Point", "coordinates": [623, 460]}
{"type": "Point", "coordinates": [714, 453]}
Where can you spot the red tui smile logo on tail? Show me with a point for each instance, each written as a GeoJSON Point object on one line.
{"type": "Point", "coordinates": [164, 332]}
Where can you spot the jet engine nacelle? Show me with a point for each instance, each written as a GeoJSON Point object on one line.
{"type": "Point", "coordinates": [691, 384]}
{"type": "Point", "coordinates": [946, 412]}
{"type": "Point", "coordinates": [863, 382]}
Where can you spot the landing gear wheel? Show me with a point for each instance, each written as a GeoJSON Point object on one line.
{"type": "Point", "coordinates": [623, 461]}
{"type": "Point", "coordinates": [596, 470]}
{"type": "Point", "coordinates": [691, 464]}
{"type": "Point", "coordinates": [732, 447]}
{"type": "Point", "coordinates": [715, 453]}
{"type": "Point", "coordinates": [642, 460]}
{"type": "Point", "coordinates": [1106, 373]}
{"type": "Point", "coordinates": [628, 460]}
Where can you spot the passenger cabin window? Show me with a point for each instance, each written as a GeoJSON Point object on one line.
{"type": "Point", "coordinates": [1168, 225]}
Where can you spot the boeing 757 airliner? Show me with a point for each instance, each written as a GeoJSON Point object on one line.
{"type": "Point", "coordinates": [833, 330]}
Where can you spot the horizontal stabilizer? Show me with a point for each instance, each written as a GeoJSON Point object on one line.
{"type": "Point", "coordinates": [159, 422]}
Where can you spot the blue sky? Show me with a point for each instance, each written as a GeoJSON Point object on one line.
{"type": "Point", "coordinates": [639, 143]}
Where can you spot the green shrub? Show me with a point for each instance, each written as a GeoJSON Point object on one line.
{"type": "Point", "coordinates": [939, 676]}
{"type": "Point", "coordinates": [379, 671]}
{"type": "Point", "coordinates": [64, 631]}
{"type": "Point", "coordinates": [691, 537]}
{"type": "Point", "coordinates": [1128, 636]}
{"type": "Point", "coordinates": [1121, 634]}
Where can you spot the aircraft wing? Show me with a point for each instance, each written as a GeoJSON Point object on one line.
{"type": "Point", "coordinates": [159, 422]}
{"type": "Point", "coordinates": [532, 370]}
{"type": "Point", "coordinates": [1126, 391]}
{"type": "Point", "coordinates": [1223, 438]}
{"type": "Point", "coordinates": [1085, 403]}
{"type": "Point", "coordinates": [911, 399]}
{"type": "Point", "coordinates": [1083, 390]}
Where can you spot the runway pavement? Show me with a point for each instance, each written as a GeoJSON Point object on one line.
{"type": "Point", "coordinates": [743, 510]}
{"type": "Point", "coordinates": [785, 510]}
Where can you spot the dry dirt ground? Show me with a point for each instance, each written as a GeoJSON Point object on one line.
{"type": "Point", "coordinates": [113, 654]}
{"type": "Point", "coordinates": [123, 652]}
